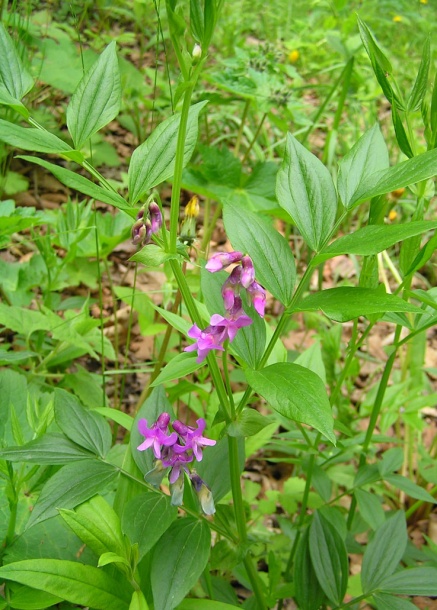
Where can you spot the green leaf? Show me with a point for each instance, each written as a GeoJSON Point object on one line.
{"type": "Point", "coordinates": [108, 558]}
{"type": "Point", "coordinates": [421, 83]}
{"type": "Point", "coordinates": [366, 157]}
{"type": "Point", "coordinates": [401, 135]}
{"type": "Point", "coordinates": [73, 484]}
{"type": "Point", "coordinates": [48, 449]}
{"type": "Point", "coordinates": [410, 488]}
{"type": "Point", "coordinates": [27, 598]}
{"type": "Point", "coordinates": [138, 601]}
{"type": "Point", "coordinates": [309, 594]}
{"type": "Point", "coordinates": [215, 468]}
{"type": "Point", "coordinates": [346, 303]}
{"type": "Point", "coordinates": [204, 604]}
{"type": "Point", "coordinates": [304, 189]}
{"type": "Point", "coordinates": [295, 392]}
{"type": "Point", "coordinates": [152, 256]}
{"type": "Point", "coordinates": [146, 518]}
{"type": "Point", "coordinates": [13, 75]}
{"type": "Point", "coordinates": [31, 139]}
{"type": "Point", "coordinates": [83, 185]}
{"type": "Point", "coordinates": [97, 525]}
{"type": "Point", "coordinates": [403, 174]}
{"type": "Point", "coordinates": [8, 100]}
{"type": "Point", "coordinates": [248, 423]}
{"type": "Point", "coordinates": [153, 161]}
{"type": "Point", "coordinates": [97, 99]}
{"type": "Point", "coordinates": [384, 552]}
{"type": "Point", "coordinates": [370, 508]}
{"type": "Point", "coordinates": [373, 239]}
{"type": "Point", "coordinates": [329, 558]}
{"type": "Point", "coordinates": [384, 601]}
{"type": "Point", "coordinates": [78, 583]}
{"type": "Point", "coordinates": [82, 426]}
{"type": "Point", "coordinates": [123, 419]}
{"type": "Point", "coordinates": [416, 581]}
{"type": "Point", "coordinates": [179, 366]}
{"type": "Point", "coordinates": [179, 561]}
{"type": "Point", "coordinates": [270, 252]}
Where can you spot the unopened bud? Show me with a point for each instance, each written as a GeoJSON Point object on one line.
{"type": "Point", "coordinates": [192, 208]}
{"type": "Point", "coordinates": [221, 260]}
{"type": "Point", "coordinates": [247, 272]}
{"type": "Point", "coordinates": [138, 232]}
{"type": "Point", "coordinates": [203, 493]}
{"type": "Point", "coordinates": [258, 297]}
{"type": "Point", "coordinates": [155, 216]}
{"type": "Point", "coordinates": [197, 52]}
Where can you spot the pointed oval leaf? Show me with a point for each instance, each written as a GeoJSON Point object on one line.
{"type": "Point", "coordinates": [96, 100]}
{"type": "Point", "coordinates": [415, 581]}
{"type": "Point", "coordinates": [304, 189]}
{"type": "Point", "coordinates": [374, 238]}
{"type": "Point", "coordinates": [178, 561]}
{"type": "Point", "coordinates": [73, 484]}
{"type": "Point", "coordinates": [179, 366]}
{"type": "Point", "coordinates": [384, 552]}
{"type": "Point", "coordinates": [13, 75]}
{"type": "Point", "coordinates": [295, 392]}
{"type": "Point", "coordinates": [269, 250]}
{"type": "Point", "coordinates": [329, 558]}
{"type": "Point", "coordinates": [84, 427]}
{"type": "Point", "coordinates": [421, 83]}
{"type": "Point", "coordinates": [366, 157]}
{"type": "Point", "coordinates": [48, 449]}
{"type": "Point", "coordinates": [77, 583]}
{"type": "Point", "coordinates": [146, 518]}
{"type": "Point", "coordinates": [153, 161]}
{"type": "Point", "coordinates": [309, 594]}
{"type": "Point", "coordinates": [346, 303]}
{"type": "Point", "coordinates": [29, 138]}
{"type": "Point", "coordinates": [385, 601]}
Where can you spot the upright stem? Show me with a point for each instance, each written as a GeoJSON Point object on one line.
{"type": "Point", "coordinates": [240, 130]}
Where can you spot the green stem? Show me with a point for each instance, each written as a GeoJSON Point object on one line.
{"type": "Point", "coordinates": [179, 162]}
{"type": "Point", "coordinates": [99, 279]}
{"type": "Point", "coordinates": [241, 128]}
{"type": "Point", "coordinates": [254, 139]}
{"type": "Point", "coordinates": [211, 225]}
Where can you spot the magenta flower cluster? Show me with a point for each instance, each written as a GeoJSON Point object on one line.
{"type": "Point", "coordinates": [146, 224]}
{"type": "Point", "coordinates": [220, 328]}
{"type": "Point", "coordinates": [175, 450]}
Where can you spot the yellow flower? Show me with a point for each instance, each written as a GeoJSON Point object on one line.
{"type": "Point", "coordinates": [192, 207]}
{"type": "Point", "coordinates": [293, 56]}
{"type": "Point", "coordinates": [397, 18]}
{"type": "Point", "coordinates": [392, 215]}
{"type": "Point", "coordinates": [423, 1]}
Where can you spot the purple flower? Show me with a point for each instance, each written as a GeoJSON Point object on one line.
{"type": "Point", "coordinates": [207, 340]}
{"type": "Point", "coordinates": [232, 325]}
{"type": "Point", "coordinates": [221, 260]}
{"type": "Point", "coordinates": [155, 216]}
{"type": "Point", "coordinates": [231, 288]}
{"type": "Point", "coordinates": [257, 296]}
{"type": "Point", "coordinates": [157, 435]}
{"type": "Point", "coordinates": [193, 438]}
{"type": "Point", "coordinates": [247, 272]}
{"type": "Point", "coordinates": [176, 461]}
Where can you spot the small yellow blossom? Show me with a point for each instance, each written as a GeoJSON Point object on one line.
{"type": "Point", "coordinates": [293, 56]}
{"type": "Point", "coordinates": [397, 193]}
{"type": "Point", "coordinates": [392, 215]}
{"type": "Point", "coordinates": [192, 208]}
{"type": "Point", "coordinates": [423, 1]}
{"type": "Point", "coordinates": [397, 18]}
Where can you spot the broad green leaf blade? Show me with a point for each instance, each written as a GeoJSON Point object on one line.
{"type": "Point", "coordinates": [416, 581]}
{"type": "Point", "coordinates": [410, 488]}
{"type": "Point", "coordinates": [366, 157]}
{"type": "Point", "coordinates": [6, 99]}
{"type": "Point", "coordinates": [179, 366]}
{"type": "Point", "coordinates": [204, 604]}
{"type": "Point", "coordinates": [152, 256]}
{"type": "Point", "coordinates": [304, 189]}
{"type": "Point", "coordinates": [48, 449]}
{"type": "Point", "coordinates": [269, 250]}
{"type": "Point", "coordinates": [215, 467]}
{"type": "Point", "coordinates": [31, 139]}
{"type": "Point", "coordinates": [385, 601]}
{"type": "Point", "coordinates": [153, 161]}
{"type": "Point", "coordinates": [346, 303]}
{"type": "Point", "coordinates": [421, 83]}
{"type": "Point", "coordinates": [401, 135]}
{"type": "Point", "coordinates": [373, 239]}
{"type": "Point", "coordinates": [73, 484]}
{"type": "Point", "coordinates": [178, 561]}
{"type": "Point", "coordinates": [403, 174]}
{"type": "Point", "coordinates": [120, 417]}
{"type": "Point", "coordinates": [77, 583]}
{"type": "Point", "coordinates": [82, 426]}
{"type": "Point", "coordinates": [329, 558]}
{"type": "Point", "coordinates": [27, 598]}
{"type": "Point", "coordinates": [146, 518]}
{"type": "Point", "coordinates": [97, 525]}
{"type": "Point", "coordinates": [309, 594]}
{"type": "Point", "coordinates": [295, 392]}
{"type": "Point", "coordinates": [83, 185]}
{"type": "Point", "coordinates": [97, 98]}
{"type": "Point", "coordinates": [13, 75]}
{"type": "Point", "coordinates": [384, 552]}
{"type": "Point", "coordinates": [138, 601]}
{"type": "Point", "coordinates": [370, 508]}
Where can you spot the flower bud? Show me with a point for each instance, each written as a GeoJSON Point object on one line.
{"type": "Point", "coordinates": [203, 493]}
{"type": "Point", "coordinates": [221, 260]}
{"type": "Point", "coordinates": [177, 490]}
{"type": "Point", "coordinates": [192, 208]}
{"type": "Point", "coordinates": [228, 294]}
{"type": "Point", "coordinates": [247, 272]}
{"type": "Point", "coordinates": [197, 52]}
{"type": "Point", "coordinates": [257, 296]}
{"type": "Point", "coordinates": [163, 421]}
{"type": "Point", "coordinates": [138, 232]}
{"type": "Point", "coordinates": [155, 217]}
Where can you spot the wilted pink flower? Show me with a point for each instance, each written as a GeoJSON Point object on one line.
{"type": "Point", "coordinates": [221, 260]}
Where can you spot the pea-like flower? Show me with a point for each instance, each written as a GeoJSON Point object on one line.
{"type": "Point", "coordinates": [193, 438]}
{"type": "Point", "coordinates": [221, 260]}
{"type": "Point", "coordinates": [213, 336]}
{"type": "Point", "coordinates": [156, 436]}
